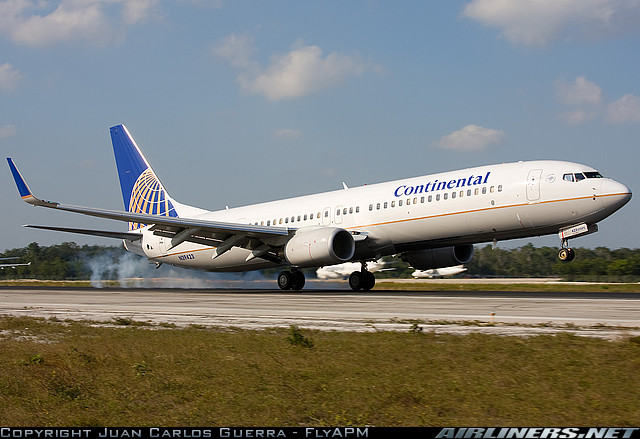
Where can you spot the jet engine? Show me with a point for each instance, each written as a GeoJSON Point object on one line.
{"type": "Point", "coordinates": [315, 247]}
{"type": "Point", "coordinates": [439, 257]}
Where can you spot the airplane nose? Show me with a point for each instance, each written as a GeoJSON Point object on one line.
{"type": "Point", "coordinates": [615, 195]}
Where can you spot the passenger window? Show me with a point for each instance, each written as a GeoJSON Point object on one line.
{"type": "Point", "coordinates": [357, 209]}
{"type": "Point", "coordinates": [337, 212]}
{"type": "Point", "coordinates": [378, 206]}
{"type": "Point", "coordinates": [415, 201]}
{"type": "Point", "coordinates": [422, 200]}
{"type": "Point", "coordinates": [438, 197]}
{"type": "Point", "coordinates": [326, 214]}
{"type": "Point", "coordinates": [484, 190]}
{"type": "Point", "coordinates": [344, 211]}
{"type": "Point", "coordinates": [499, 188]}
{"type": "Point", "coordinates": [305, 217]}
{"type": "Point", "coordinates": [385, 204]}
{"type": "Point", "coordinates": [269, 222]}
{"type": "Point", "coordinates": [299, 217]}
{"type": "Point", "coordinates": [350, 210]}
{"type": "Point", "coordinates": [468, 192]}
{"type": "Point", "coordinates": [453, 194]}
{"type": "Point", "coordinates": [461, 194]}
{"type": "Point", "coordinates": [293, 218]}
{"type": "Point", "coordinates": [399, 203]}
{"type": "Point", "coordinates": [492, 189]}
{"type": "Point", "coordinates": [408, 201]}
{"type": "Point", "coordinates": [446, 195]}
{"type": "Point", "coordinates": [370, 206]}
{"type": "Point", "coordinates": [286, 220]}
{"type": "Point", "coordinates": [393, 204]}
{"type": "Point", "coordinates": [280, 220]}
{"type": "Point", "coordinates": [430, 198]}
{"type": "Point", "coordinates": [311, 216]}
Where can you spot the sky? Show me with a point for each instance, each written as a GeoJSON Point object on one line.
{"type": "Point", "coordinates": [239, 102]}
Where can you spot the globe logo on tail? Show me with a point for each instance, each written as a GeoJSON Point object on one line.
{"type": "Point", "coordinates": [148, 196]}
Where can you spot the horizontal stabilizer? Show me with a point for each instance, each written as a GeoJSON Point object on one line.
{"type": "Point", "coordinates": [104, 233]}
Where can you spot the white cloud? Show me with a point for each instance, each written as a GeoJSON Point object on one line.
{"type": "Point", "coordinates": [541, 22]}
{"type": "Point", "coordinates": [302, 71]}
{"type": "Point", "coordinates": [587, 102]}
{"type": "Point", "coordinates": [9, 77]}
{"type": "Point", "coordinates": [471, 138]}
{"type": "Point", "coordinates": [38, 24]}
{"type": "Point", "coordinates": [7, 131]}
{"type": "Point", "coordinates": [287, 133]}
{"type": "Point", "coordinates": [580, 92]}
{"type": "Point", "coordinates": [624, 110]}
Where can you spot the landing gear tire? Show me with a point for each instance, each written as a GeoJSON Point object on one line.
{"type": "Point", "coordinates": [288, 280]}
{"type": "Point", "coordinates": [356, 279]}
{"type": "Point", "coordinates": [369, 281]}
{"type": "Point", "coordinates": [566, 254]}
{"type": "Point", "coordinates": [285, 280]}
{"type": "Point", "coordinates": [362, 280]}
{"type": "Point", "coordinates": [298, 281]}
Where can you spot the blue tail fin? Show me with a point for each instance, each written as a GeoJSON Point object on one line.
{"type": "Point", "coordinates": [142, 191]}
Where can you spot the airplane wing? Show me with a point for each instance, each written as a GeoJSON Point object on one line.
{"type": "Point", "coordinates": [201, 231]}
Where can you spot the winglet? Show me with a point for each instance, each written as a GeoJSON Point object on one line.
{"type": "Point", "coordinates": [24, 190]}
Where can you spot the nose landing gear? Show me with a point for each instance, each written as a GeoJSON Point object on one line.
{"type": "Point", "coordinates": [566, 253]}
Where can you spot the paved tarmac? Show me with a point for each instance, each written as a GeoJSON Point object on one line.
{"type": "Point", "coordinates": [606, 315]}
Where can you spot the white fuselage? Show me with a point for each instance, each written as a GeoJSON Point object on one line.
{"type": "Point", "coordinates": [482, 204]}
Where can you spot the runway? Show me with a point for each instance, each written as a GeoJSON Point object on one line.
{"type": "Point", "coordinates": [607, 315]}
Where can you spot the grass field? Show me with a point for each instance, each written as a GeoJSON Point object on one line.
{"type": "Point", "coordinates": [126, 374]}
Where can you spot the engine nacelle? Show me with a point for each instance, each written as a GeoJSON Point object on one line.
{"type": "Point", "coordinates": [315, 247]}
{"type": "Point", "coordinates": [439, 257]}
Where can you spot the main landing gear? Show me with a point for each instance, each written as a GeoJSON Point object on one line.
{"type": "Point", "coordinates": [566, 253]}
{"type": "Point", "coordinates": [362, 280]}
{"type": "Point", "coordinates": [291, 280]}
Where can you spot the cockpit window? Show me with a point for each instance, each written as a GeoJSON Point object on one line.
{"type": "Point", "coordinates": [579, 176]}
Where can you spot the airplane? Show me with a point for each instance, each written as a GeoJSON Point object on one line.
{"type": "Point", "coordinates": [3, 266]}
{"type": "Point", "coordinates": [439, 272]}
{"type": "Point", "coordinates": [430, 221]}
{"type": "Point", "coordinates": [344, 270]}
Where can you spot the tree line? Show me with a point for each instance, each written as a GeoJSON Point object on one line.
{"type": "Point", "coordinates": [69, 261]}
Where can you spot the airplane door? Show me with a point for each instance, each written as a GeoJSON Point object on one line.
{"type": "Point", "coordinates": [326, 216]}
{"type": "Point", "coordinates": [338, 218]}
{"type": "Point", "coordinates": [162, 245]}
{"type": "Point", "coordinates": [533, 184]}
